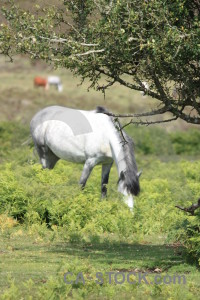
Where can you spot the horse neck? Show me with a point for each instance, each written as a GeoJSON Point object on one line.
{"type": "Point", "coordinates": [118, 153]}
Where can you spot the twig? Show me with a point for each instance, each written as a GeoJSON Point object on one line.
{"type": "Point", "coordinates": [89, 52]}
{"type": "Point", "coordinates": [147, 123]}
{"type": "Point", "coordinates": [146, 114]}
{"type": "Point", "coordinates": [66, 41]}
{"type": "Point", "coordinates": [191, 209]}
{"type": "Point", "coordinates": [26, 141]}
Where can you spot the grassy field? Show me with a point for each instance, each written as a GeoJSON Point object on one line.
{"type": "Point", "coordinates": [34, 265]}
{"type": "Point", "coordinates": [48, 226]}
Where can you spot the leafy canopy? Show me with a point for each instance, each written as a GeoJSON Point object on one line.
{"type": "Point", "coordinates": [126, 41]}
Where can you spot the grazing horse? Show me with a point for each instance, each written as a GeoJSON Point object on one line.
{"type": "Point", "coordinates": [88, 137]}
{"type": "Point", "coordinates": [55, 80]}
{"type": "Point", "coordinates": [39, 81]}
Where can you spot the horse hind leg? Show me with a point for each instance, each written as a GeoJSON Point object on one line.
{"type": "Point", "coordinates": [47, 158]}
{"type": "Point", "coordinates": [51, 159]}
{"type": "Point", "coordinates": [105, 178]}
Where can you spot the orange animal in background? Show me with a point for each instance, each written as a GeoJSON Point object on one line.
{"type": "Point", "coordinates": [39, 81]}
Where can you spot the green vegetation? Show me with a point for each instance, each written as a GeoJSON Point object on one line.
{"type": "Point", "coordinates": [50, 227]}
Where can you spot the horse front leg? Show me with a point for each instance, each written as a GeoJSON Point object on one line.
{"type": "Point", "coordinates": [105, 178]}
{"type": "Point", "coordinates": [87, 169]}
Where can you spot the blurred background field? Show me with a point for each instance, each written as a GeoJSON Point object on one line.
{"type": "Point", "coordinates": [49, 226]}
{"type": "Point", "coordinates": [20, 100]}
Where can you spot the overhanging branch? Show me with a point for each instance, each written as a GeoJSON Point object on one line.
{"type": "Point", "coordinates": [146, 114]}
{"type": "Point", "coordinates": [191, 209]}
{"type": "Point", "coordinates": [147, 123]}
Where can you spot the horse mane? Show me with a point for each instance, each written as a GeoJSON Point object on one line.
{"type": "Point", "coordinates": [101, 110]}
{"type": "Point", "coordinates": [131, 180]}
{"type": "Point", "coordinates": [129, 176]}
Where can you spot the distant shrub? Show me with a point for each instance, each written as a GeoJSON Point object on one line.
{"type": "Point", "coordinates": [186, 142]}
{"type": "Point", "coordinates": [154, 140]}
{"type": "Point", "coordinates": [12, 135]}
{"type": "Point", "coordinates": [151, 140]}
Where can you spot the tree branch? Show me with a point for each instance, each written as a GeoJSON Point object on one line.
{"type": "Point", "coordinates": [89, 52]}
{"type": "Point", "coordinates": [147, 123]}
{"type": "Point", "coordinates": [191, 209]}
{"type": "Point", "coordinates": [146, 114]}
{"type": "Point", "coordinates": [128, 84]}
{"type": "Point", "coordinates": [64, 41]}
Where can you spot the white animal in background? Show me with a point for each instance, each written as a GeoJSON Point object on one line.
{"type": "Point", "coordinates": [55, 80]}
{"type": "Point", "coordinates": [145, 84]}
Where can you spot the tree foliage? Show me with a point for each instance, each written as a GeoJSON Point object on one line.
{"type": "Point", "coordinates": [128, 42]}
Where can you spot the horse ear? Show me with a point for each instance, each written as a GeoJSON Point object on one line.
{"type": "Point", "coordinates": [139, 173]}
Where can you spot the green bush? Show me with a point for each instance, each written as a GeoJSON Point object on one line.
{"type": "Point", "coordinates": [186, 142]}
{"type": "Point", "coordinates": [12, 136]}
{"type": "Point", "coordinates": [12, 196]}
{"type": "Point", "coordinates": [35, 196]}
{"type": "Point", "coordinates": [151, 140]}
{"type": "Point", "coordinates": [154, 140]}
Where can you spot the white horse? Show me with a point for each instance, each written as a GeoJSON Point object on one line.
{"type": "Point", "coordinates": [55, 80]}
{"type": "Point", "coordinates": [88, 137]}
{"type": "Point", "coordinates": [146, 86]}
